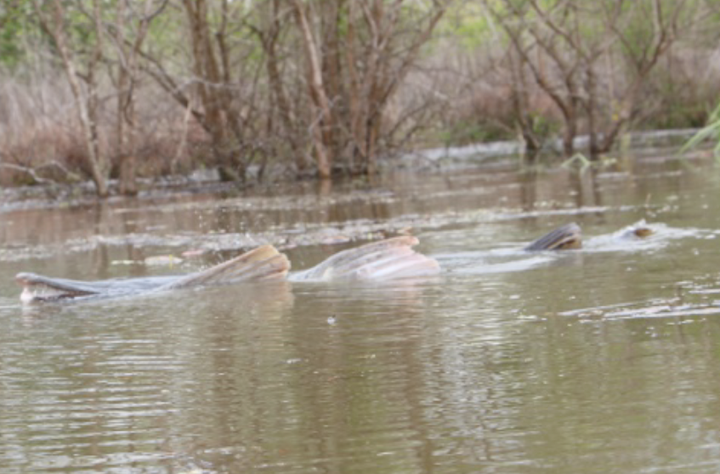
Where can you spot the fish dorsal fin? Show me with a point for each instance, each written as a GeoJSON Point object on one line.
{"type": "Point", "coordinates": [386, 259]}
{"type": "Point", "coordinates": [261, 264]}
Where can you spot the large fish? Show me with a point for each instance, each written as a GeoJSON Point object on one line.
{"type": "Point", "coordinates": [384, 260]}
{"type": "Point", "coordinates": [566, 237]}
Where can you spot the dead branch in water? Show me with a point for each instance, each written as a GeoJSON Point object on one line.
{"type": "Point", "coordinates": [33, 172]}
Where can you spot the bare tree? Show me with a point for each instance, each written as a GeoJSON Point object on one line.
{"type": "Point", "coordinates": [128, 39]}
{"type": "Point", "coordinates": [565, 44]}
{"type": "Point", "coordinates": [357, 53]}
{"type": "Point", "coordinates": [53, 19]}
{"type": "Point", "coordinates": [281, 116]}
{"type": "Point", "coordinates": [322, 135]}
{"type": "Point", "coordinates": [641, 55]}
{"type": "Point", "coordinates": [220, 96]}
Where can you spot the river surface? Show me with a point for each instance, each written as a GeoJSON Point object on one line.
{"type": "Point", "coordinates": [605, 359]}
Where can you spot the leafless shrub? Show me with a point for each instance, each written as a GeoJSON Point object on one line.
{"type": "Point", "coordinates": [39, 130]}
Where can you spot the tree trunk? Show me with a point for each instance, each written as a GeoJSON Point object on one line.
{"type": "Point", "coordinates": [321, 129]}
{"type": "Point", "coordinates": [125, 109]}
{"type": "Point", "coordinates": [591, 112]}
{"type": "Point", "coordinates": [569, 139]}
{"type": "Point", "coordinates": [85, 103]}
{"type": "Point", "coordinates": [269, 42]}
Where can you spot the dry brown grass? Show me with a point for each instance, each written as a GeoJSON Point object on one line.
{"type": "Point", "coordinates": [473, 89]}
{"type": "Point", "coordinates": [39, 131]}
{"type": "Point", "coordinates": [455, 97]}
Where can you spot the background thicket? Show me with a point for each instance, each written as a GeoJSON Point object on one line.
{"type": "Point", "coordinates": [115, 90]}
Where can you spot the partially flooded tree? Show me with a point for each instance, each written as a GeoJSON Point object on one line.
{"type": "Point", "coordinates": [525, 120]}
{"type": "Point", "coordinates": [81, 65]}
{"type": "Point", "coordinates": [87, 36]}
{"type": "Point", "coordinates": [571, 50]}
{"type": "Point", "coordinates": [127, 31]}
{"type": "Point", "coordinates": [220, 93]}
{"type": "Point", "coordinates": [356, 55]}
{"type": "Point", "coordinates": [284, 136]}
{"type": "Point", "coordinates": [322, 86]}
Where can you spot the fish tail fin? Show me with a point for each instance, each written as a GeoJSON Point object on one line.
{"type": "Point", "coordinates": [568, 236]}
{"type": "Point", "coordinates": [386, 259]}
{"type": "Point", "coordinates": [260, 264]}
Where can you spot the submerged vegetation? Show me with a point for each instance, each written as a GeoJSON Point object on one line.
{"type": "Point", "coordinates": [115, 90]}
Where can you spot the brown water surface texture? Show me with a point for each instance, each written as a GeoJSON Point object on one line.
{"type": "Point", "coordinates": [605, 359]}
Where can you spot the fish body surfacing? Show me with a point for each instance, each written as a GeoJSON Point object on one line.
{"type": "Point", "coordinates": [388, 259]}
{"type": "Point", "coordinates": [261, 264]}
{"type": "Point", "coordinates": [566, 237]}
{"type": "Point", "coordinates": [39, 288]}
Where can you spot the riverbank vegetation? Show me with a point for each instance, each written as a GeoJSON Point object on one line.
{"type": "Point", "coordinates": [116, 90]}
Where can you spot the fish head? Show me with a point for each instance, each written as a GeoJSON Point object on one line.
{"type": "Point", "coordinates": [37, 288]}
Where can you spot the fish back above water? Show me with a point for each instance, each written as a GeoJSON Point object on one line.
{"type": "Point", "coordinates": [38, 288]}
{"type": "Point", "coordinates": [261, 264]}
{"type": "Point", "coordinates": [387, 259]}
{"type": "Point", "coordinates": [566, 237]}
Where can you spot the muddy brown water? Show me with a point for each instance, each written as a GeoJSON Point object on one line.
{"type": "Point", "coordinates": [605, 359]}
